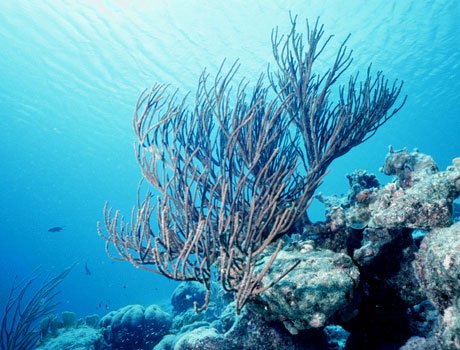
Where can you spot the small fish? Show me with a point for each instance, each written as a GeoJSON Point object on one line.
{"type": "Point", "coordinates": [124, 286]}
{"type": "Point", "coordinates": [87, 271]}
{"type": "Point", "coordinates": [55, 229]}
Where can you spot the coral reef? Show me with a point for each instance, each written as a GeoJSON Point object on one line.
{"type": "Point", "coordinates": [56, 334]}
{"type": "Point", "coordinates": [186, 294]}
{"type": "Point", "coordinates": [382, 272]}
{"type": "Point", "coordinates": [438, 267]}
{"type": "Point", "coordinates": [135, 327]}
{"type": "Point", "coordinates": [236, 170]}
{"type": "Point", "coordinates": [381, 228]}
{"type": "Point", "coordinates": [73, 338]}
{"type": "Point", "coordinates": [222, 329]}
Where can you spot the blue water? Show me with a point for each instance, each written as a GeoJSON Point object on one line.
{"type": "Point", "coordinates": [70, 74]}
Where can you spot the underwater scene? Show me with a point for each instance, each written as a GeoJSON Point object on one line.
{"type": "Point", "coordinates": [267, 175]}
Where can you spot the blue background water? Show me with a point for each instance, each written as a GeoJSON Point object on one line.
{"type": "Point", "coordinates": [70, 74]}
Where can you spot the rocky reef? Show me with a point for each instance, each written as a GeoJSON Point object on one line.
{"type": "Point", "coordinates": [381, 272]}
{"type": "Point", "coordinates": [387, 230]}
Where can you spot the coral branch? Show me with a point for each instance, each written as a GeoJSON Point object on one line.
{"type": "Point", "coordinates": [232, 175]}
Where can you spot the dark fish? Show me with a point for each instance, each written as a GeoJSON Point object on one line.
{"type": "Point", "coordinates": [124, 286]}
{"type": "Point", "coordinates": [55, 229]}
{"type": "Point", "coordinates": [88, 272]}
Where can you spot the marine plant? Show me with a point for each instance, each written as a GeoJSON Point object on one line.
{"type": "Point", "coordinates": [238, 170]}
{"type": "Point", "coordinates": [24, 309]}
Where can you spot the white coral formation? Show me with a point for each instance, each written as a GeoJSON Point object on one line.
{"type": "Point", "coordinates": [422, 198]}
{"type": "Point", "coordinates": [322, 284]}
